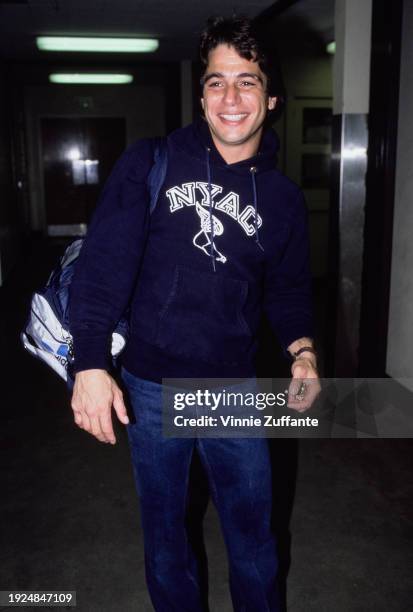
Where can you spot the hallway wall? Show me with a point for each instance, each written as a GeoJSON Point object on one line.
{"type": "Point", "coordinates": [143, 106]}
{"type": "Point", "coordinates": [7, 197]}
{"type": "Point", "coordinates": [308, 81]}
{"type": "Point", "coordinates": [400, 332]}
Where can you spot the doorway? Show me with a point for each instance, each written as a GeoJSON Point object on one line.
{"type": "Point", "coordinates": [78, 155]}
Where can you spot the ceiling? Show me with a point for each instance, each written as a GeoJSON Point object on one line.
{"type": "Point", "coordinates": [176, 24]}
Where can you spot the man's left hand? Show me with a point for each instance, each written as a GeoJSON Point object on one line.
{"type": "Point", "coordinates": [304, 386]}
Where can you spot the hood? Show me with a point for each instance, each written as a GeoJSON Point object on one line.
{"type": "Point", "coordinates": [196, 138]}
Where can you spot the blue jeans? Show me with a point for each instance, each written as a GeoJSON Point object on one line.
{"type": "Point", "coordinates": [238, 471]}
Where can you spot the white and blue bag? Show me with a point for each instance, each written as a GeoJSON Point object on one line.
{"type": "Point", "coordinates": [46, 334]}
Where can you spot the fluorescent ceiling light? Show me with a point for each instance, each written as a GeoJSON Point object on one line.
{"type": "Point", "coordinates": [90, 44]}
{"type": "Point", "coordinates": [331, 47]}
{"type": "Point", "coordinates": [95, 79]}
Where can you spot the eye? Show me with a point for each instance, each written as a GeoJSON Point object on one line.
{"type": "Point", "coordinates": [214, 84]}
{"type": "Point", "coordinates": [247, 84]}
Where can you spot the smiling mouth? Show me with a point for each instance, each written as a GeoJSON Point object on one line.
{"type": "Point", "coordinates": [233, 118]}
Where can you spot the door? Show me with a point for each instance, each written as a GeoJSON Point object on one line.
{"type": "Point", "coordinates": [78, 155]}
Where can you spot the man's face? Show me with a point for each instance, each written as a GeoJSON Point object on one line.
{"type": "Point", "coordinates": [235, 101]}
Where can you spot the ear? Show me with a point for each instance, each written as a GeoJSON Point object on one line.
{"type": "Point", "coordinates": [202, 104]}
{"type": "Point", "coordinates": [272, 102]}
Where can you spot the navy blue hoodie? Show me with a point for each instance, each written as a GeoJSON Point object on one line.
{"type": "Point", "coordinates": [199, 271]}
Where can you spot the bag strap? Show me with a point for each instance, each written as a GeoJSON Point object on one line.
{"type": "Point", "coordinates": [156, 176]}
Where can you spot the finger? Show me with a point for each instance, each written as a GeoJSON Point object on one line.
{"type": "Point", "coordinates": [95, 429]}
{"type": "Point", "coordinates": [308, 391]}
{"type": "Point", "coordinates": [86, 422]}
{"type": "Point", "coordinates": [78, 418]}
{"type": "Point", "coordinates": [294, 388]}
{"type": "Point", "coordinates": [107, 429]}
{"type": "Point", "coordinates": [297, 394]}
{"type": "Point", "coordinates": [313, 391]}
{"type": "Point", "coordinates": [298, 406]}
{"type": "Point", "coordinates": [120, 408]}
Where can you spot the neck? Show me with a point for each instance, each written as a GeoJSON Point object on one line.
{"type": "Point", "coordinates": [233, 153]}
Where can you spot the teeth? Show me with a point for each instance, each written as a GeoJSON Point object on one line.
{"type": "Point", "coordinates": [234, 117]}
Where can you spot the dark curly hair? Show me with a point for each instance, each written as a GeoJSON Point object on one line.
{"type": "Point", "coordinates": [247, 39]}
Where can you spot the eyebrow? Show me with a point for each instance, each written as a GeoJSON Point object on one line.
{"type": "Point", "coordinates": [220, 75]}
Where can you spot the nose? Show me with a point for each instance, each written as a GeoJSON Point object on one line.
{"type": "Point", "coordinates": [231, 94]}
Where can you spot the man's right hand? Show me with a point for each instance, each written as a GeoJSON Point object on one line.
{"type": "Point", "coordinates": [94, 394]}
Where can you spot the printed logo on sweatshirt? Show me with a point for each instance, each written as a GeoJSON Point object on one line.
{"type": "Point", "coordinates": [196, 194]}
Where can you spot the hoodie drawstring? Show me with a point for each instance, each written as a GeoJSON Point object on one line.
{"type": "Point", "coordinates": [211, 220]}
{"type": "Point", "coordinates": [253, 171]}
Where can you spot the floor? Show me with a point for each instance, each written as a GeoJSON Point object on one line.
{"type": "Point", "coordinates": [70, 520]}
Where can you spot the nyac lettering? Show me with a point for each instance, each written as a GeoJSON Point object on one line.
{"type": "Point", "coordinates": [188, 194]}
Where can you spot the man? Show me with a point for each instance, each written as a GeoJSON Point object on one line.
{"type": "Point", "coordinates": [228, 238]}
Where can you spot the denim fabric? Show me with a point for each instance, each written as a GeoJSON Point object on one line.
{"type": "Point", "coordinates": [238, 471]}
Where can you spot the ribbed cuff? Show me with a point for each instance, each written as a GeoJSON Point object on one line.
{"type": "Point", "coordinates": [289, 335]}
{"type": "Point", "coordinates": [91, 352]}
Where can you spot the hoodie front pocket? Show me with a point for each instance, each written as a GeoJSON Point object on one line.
{"type": "Point", "coordinates": [203, 318]}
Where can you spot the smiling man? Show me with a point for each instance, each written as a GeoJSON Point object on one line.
{"type": "Point", "coordinates": [235, 103]}
{"type": "Point", "coordinates": [228, 240]}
